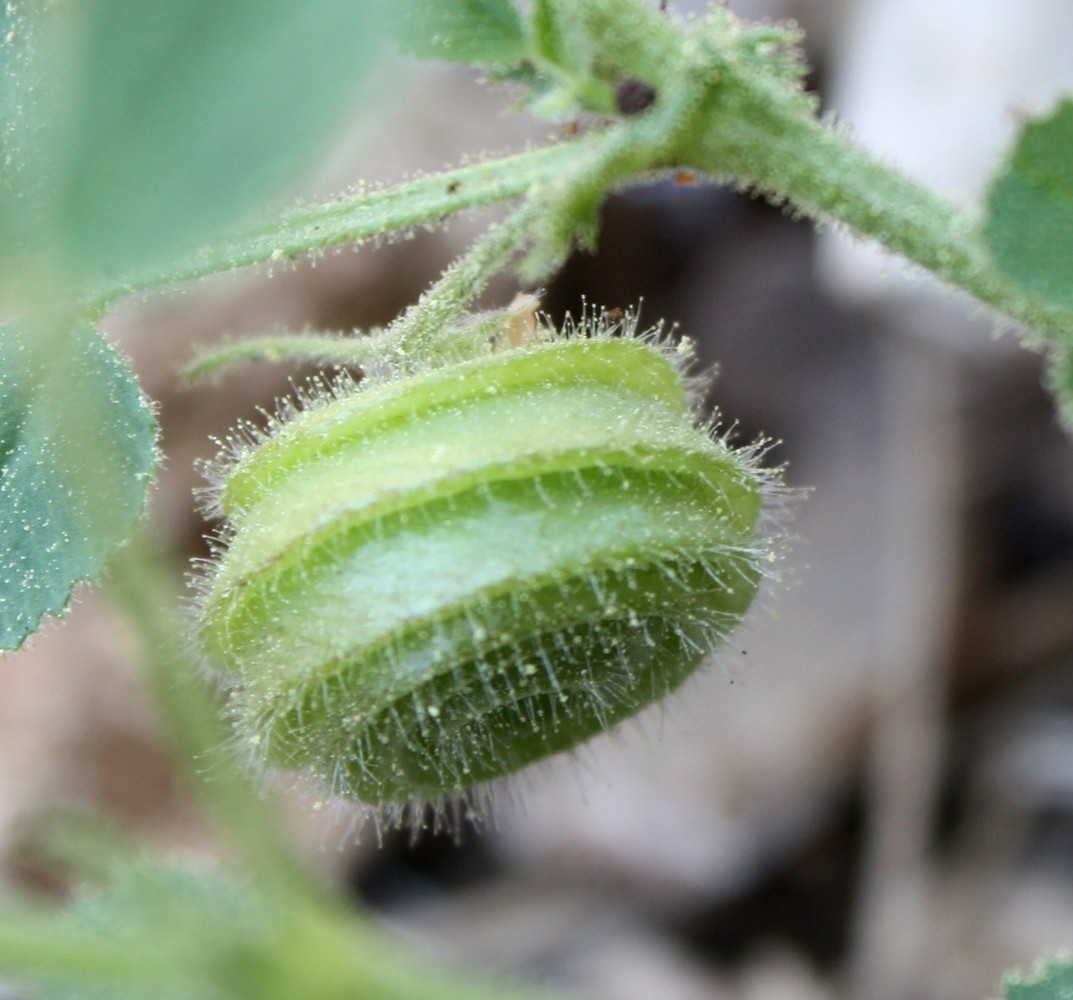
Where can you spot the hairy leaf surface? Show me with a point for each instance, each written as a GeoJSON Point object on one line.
{"type": "Point", "coordinates": [76, 453]}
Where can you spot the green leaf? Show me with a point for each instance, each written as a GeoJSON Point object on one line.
{"type": "Point", "coordinates": [23, 90]}
{"type": "Point", "coordinates": [169, 119]}
{"type": "Point", "coordinates": [1030, 223]}
{"type": "Point", "coordinates": [167, 933]}
{"type": "Point", "coordinates": [1052, 981]}
{"type": "Point", "coordinates": [484, 32]}
{"type": "Point", "coordinates": [550, 34]}
{"type": "Point", "coordinates": [564, 56]}
{"type": "Point", "coordinates": [76, 454]}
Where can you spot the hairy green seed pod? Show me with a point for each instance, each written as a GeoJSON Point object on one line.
{"type": "Point", "coordinates": [433, 581]}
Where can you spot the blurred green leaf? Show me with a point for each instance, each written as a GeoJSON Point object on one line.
{"type": "Point", "coordinates": [168, 120]}
{"type": "Point", "coordinates": [484, 32]}
{"type": "Point", "coordinates": [551, 34]}
{"type": "Point", "coordinates": [76, 454]}
{"type": "Point", "coordinates": [160, 932]}
{"type": "Point", "coordinates": [23, 91]}
{"type": "Point", "coordinates": [187, 921]}
{"type": "Point", "coordinates": [1030, 222]}
{"type": "Point", "coordinates": [566, 82]}
{"type": "Point", "coordinates": [1052, 981]}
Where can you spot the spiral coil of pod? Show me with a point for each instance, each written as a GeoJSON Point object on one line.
{"type": "Point", "coordinates": [435, 581]}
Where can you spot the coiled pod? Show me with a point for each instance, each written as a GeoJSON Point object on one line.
{"type": "Point", "coordinates": [433, 581]}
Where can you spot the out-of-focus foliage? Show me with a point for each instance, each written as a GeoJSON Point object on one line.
{"type": "Point", "coordinates": [483, 32]}
{"type": "Point", "coordinates": [76, 454]}
{"type": "Point", "coordinates": [145, 128]}
{"type": "Point", "coordinates": [1030, 226]}
{"type": "Point", "coordinates": [1053, 981]}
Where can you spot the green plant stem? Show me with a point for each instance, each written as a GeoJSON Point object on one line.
{"type": "Point", "coordinates": [790, 156]}
{"type": "Point", "coordinates": [361, 216]}
{"type": "Point", "coordinates": [335, 955]}
{"type": "Point", "coordinates": [628, 153]}
{"type": "Point", "coordinates": [315, 348]}
{"type": "Point", "coordinates": [34, 944]}
{"type": "Point", "coordinates": [724, 108]}
{"type": "Point", "coordinates": [756, 130]}
{"type": "Point", "coordinates": [191, 723]}
{"type": "Point", "coordinates": [428, 329]}
{"type": "Point", "coordinates": [294, 950]}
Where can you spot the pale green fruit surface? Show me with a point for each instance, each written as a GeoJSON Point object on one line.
{"type": "Point", "coordinates": [432, 582]}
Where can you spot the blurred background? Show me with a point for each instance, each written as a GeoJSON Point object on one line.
{"type": "Point", "coordinates": [870, 793]}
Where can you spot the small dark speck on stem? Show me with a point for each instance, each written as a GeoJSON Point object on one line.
{"type": "Point", "coordinates": [632, 96]}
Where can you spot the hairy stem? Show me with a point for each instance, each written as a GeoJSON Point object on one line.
{"type": "Point", "coordinates": [758, 130]}
{"type": "Point", "coordinates": [790, 156]}
{"type": "Point", "coordinates": [727, 104]}
{"type": "Point", "coordinates": [428, 329]}
{"type": "Point", "coordinates": [316, 348]}
{"type": "Point", "coordinates": [33, 943]}
{"type": "Point", "coordinates": [192, 725]}
{"type": "Point", "coordinates": [361, 216]}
